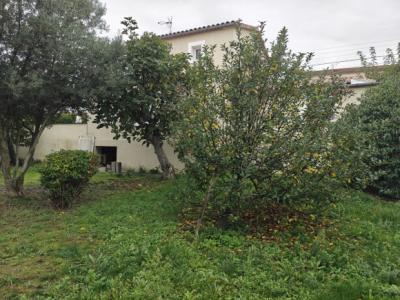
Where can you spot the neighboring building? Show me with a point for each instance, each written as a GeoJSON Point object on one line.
{"type": "Point", "coordinates": [356, 81]}
{"type": "Point", "coordinates": [135, 155]}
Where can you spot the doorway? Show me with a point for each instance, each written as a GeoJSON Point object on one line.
{"type": "Point", "coordinates": [107, 155]}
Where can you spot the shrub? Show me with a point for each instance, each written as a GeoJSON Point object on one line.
{"type": "Point", "coordinates": [66, 173]}
{"type": "Point", "coordinates": [65, 118]}
{"type": "Point", "coordinates": [71, 118]}
{"type": "Point", "coordinates": [373, 129]}
{"type": "Point", "coordinates": [256, 130]}
{"type": "Point", "coordinates": [134, 172]}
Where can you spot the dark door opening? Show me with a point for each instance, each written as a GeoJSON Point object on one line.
{"type": "Point", "coordinates": [107, 155]}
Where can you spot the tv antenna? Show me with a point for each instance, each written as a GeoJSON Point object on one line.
{"type": "Point", "coordinates": [168, 23]}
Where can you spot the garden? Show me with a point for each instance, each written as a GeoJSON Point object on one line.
{"type": "Point", "coordinates": [127, 238]}
{"type": "Point", "coordinates": [285, 192]}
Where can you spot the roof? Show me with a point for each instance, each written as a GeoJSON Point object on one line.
{"type": "Point", "coordinates": [357, 82]}
{"type": "Point", "coordinates": [342, 71]}
{"type": "Point", "coordinates": [206, 29]}
{"type": "Point", "coordinates": [352, 79]}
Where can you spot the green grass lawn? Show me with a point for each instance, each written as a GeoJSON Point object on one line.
{"type": "Point", "coordinates": [124, 241]}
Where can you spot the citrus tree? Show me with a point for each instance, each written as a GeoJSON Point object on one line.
{"type": "Point", "coordinates": [256, 129]}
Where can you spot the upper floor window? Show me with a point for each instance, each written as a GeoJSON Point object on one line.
{"type": "Point", "coordinates": [198, 53]}
{"type": "Point", "coordinates": [195, 49]}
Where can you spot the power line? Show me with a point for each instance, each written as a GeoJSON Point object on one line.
{"type": "Point", "coordinates": [338, 57]}
{"type": "Point", "coordinates": [320, 58]}
{"type": "Point", "coordinates": [355, 44]}
{"type": "Point", "coordinates": [317, 57]}
{"type": "Point", "coordinates": [340, 61]}
{"type": "Point", "coordinates": [354, 50]}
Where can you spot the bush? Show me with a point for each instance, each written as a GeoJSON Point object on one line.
{"type": "Point", "coordinates": [66, 173]}
{"type": "Point", "coordinates": [372, 127]}
{"type": "Point", "coordinates": [256, 130]}
{"type": "Point", "coordinates": [71, 118]}
{"type": "Point", "coordinates": [65, 118]}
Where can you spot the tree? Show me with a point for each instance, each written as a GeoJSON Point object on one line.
{"type": "Point", "coordinates": [256, 130]}
{"type": "Point", "coordinates": [142, 90]}
{"type": "Point", "coordinates": [48, 63]}
{"type": "Point", "coordinates": [371, 129]}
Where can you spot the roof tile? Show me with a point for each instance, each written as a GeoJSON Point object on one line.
{"type": "Point", "coordinates": [206, 28]}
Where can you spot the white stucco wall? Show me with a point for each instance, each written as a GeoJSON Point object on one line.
{"type": "Point", "coordinates": [356, 94]}
{"type": "Point", "coordinates": [217, 37]}
{"type": "Point", "coordinates": [132, 155]}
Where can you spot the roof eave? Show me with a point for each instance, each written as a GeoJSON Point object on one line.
{"type": "Point", "coordinates": [357, 85]}
{"type": "Point", "coordinates": [351, 70]}
{"type": "Point", "coordinates": [206, 29]}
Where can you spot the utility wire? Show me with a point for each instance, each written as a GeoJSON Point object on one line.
{"type": "Point", "coordinates": [340, 61]}
{"type": "Point", "coordinates": [356, 44]}
{"type": "Point", "coordinates": [317, 57]}
{"type": "Point", "coordinates": [355, 50]}
{"type": "Point", "coordinates": [321, 58]}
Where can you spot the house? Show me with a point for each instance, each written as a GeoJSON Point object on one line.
{"type": "Point", "coordinates": [134, 154]}
{"type": "Point", "coordinates": [355, 80]}
{"type": "Point", "coordinates": [192, 40]}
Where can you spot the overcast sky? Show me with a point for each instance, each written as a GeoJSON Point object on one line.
{"type": "Point", "coordinates": [333, 29]}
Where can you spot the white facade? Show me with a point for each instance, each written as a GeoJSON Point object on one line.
{"type": "Point", "coordinates": [133, 155]}
{"type": "Point", "coordinates": [136, 155]}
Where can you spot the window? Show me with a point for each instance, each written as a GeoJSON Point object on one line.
{"type": "Point", "coordinates": [198, 53]}
{"type": "Point", "coordinates": [194, 50]}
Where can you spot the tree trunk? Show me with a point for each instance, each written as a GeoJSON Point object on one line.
{"type": "Point", "coordinates": [14, 180]}
{"type": "Point", "coordinates": [14, 186]}
{"type": "Point", "coordinates": [166, 167]}
{"type": "Point", "coordinates": [206, 200]}
{"type": "Point", "coordinates": [11, 151]}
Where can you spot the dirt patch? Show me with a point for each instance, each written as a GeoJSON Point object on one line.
{"type": "Point", "coordinates": [277, 220]}
{"type": "Point", "coordinates": [272, 223]}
